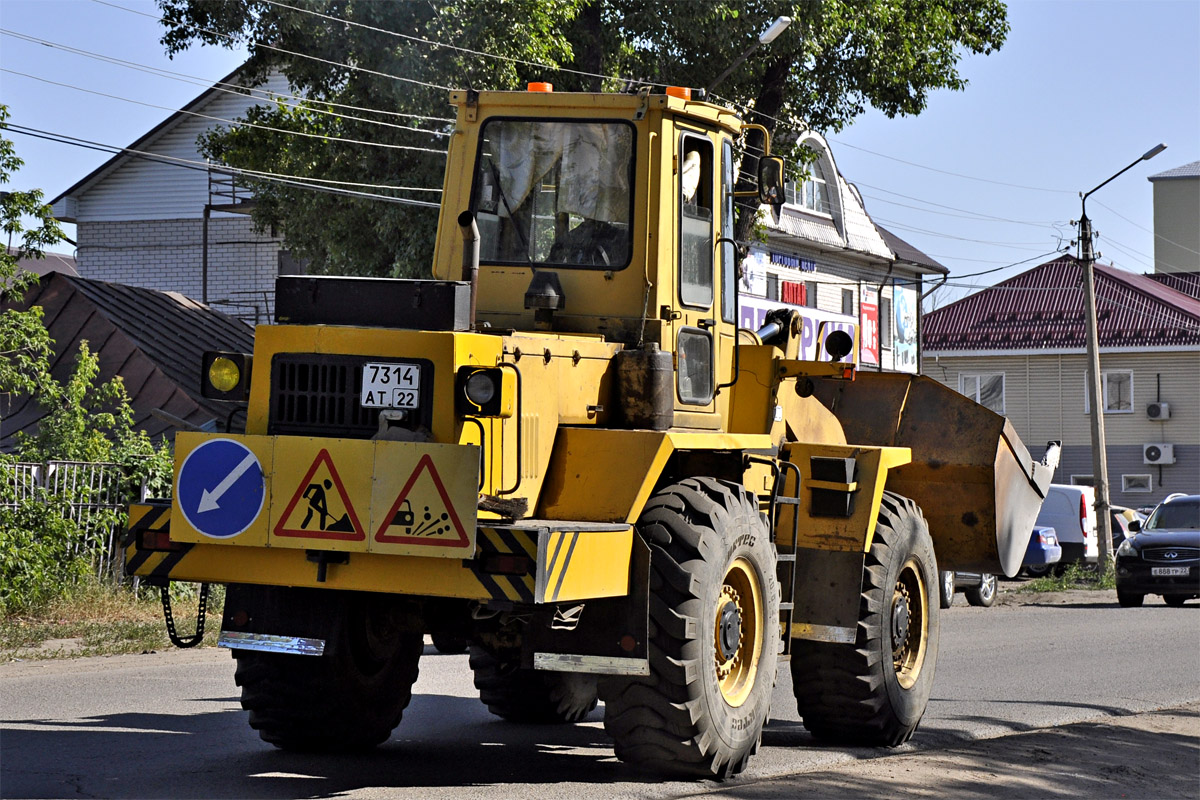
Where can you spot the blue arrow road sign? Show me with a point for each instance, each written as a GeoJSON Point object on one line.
{"type": "Point", "coordinates": [220, 488]}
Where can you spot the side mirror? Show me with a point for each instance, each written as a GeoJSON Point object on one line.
{"type": "Point", "coordinates": [770, 182]}
{"type": "Point", "coordinates": [1135, 525]}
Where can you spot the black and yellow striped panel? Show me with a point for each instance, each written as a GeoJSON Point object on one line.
{"type": "Point", "coordinates": [150, 563]}
{"type": "Point", "coordinates": [502, 541]}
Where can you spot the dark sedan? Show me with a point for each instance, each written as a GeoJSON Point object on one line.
{"type": "Point", "coordinates": [1164, 556]}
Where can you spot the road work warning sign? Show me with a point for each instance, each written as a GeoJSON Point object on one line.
{"type": "Point", "coordinates": [320, 506]}
{"type": "Point", "coordinates": [423, 514]}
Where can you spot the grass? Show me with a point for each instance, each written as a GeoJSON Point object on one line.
{"type": "Point", "coordinates": [96, 620]}
{"type": "Point", "coordinates": [1075, 576]}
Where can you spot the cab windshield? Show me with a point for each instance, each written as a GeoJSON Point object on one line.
{"type": "Point", "coordinates": [555, 193]}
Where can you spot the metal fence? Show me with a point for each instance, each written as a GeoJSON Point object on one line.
{"type": "Point", "coordinates": [92, 492]}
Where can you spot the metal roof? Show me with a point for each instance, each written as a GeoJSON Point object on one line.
{"type": "Point", "coordinates": [1191, 170]}
{"type": "Point", "coordinates": [1044, 308]}
{"type": "Point", "coordinates": [1186, 282]}
{"type": "Point", "coordinates": [153, 340]}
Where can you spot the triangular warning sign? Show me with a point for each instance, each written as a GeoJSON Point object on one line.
{"type": "Point", "coordinates": [422, 513]}
{"type": "Point", "coordinates": [320, 508]}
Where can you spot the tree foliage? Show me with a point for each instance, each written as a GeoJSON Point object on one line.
{"type": "Point", "coordinates": [837, 58]}
{"type": "Point", "coordinates": [28, 224]}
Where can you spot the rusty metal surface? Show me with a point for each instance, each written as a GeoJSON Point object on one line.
{"type": "Point", "coordinates": [971, 475]}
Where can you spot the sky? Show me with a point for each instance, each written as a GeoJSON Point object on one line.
{"type": "Point", "coordinates": [981, 180]}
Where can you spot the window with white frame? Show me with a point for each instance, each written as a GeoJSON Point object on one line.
{"type": "Point", "coordinates": [1083, 480]}
{"type": "Point", "coordinates": [812, 193]}
{"type": "Point", "coordinates": [885, 323]}
{"type": "Point", "coordinates": [987, 389]}
{"type": "Point", "coordinates": [1116, 388]}
{"type": "Point", "coordinates": [1137, 483]}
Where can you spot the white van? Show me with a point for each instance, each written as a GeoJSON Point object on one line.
{"type": "Point", "coordinates": [1071, 511]}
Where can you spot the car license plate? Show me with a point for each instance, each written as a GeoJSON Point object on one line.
{"type": "Point", "coordinates": [390, 385]}
{"type": "Point", "coordinates": [1169, 572]}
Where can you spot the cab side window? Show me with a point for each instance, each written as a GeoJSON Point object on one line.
{"type": "Point", "coordinates": [696, 221]}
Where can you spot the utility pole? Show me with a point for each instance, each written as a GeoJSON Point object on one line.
{"type": "Point", "coordinates": [1095, 384]}
{"type": "Point", "coordinates": [1096, 395]}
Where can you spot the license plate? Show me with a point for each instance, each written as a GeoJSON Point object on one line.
{"type": "Point", "coordinates": [1169, 572]}
{"type": "Point", "coordinates": [390, 386]}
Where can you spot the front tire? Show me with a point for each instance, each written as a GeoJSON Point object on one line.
{"type": "Point", "coordinates": [1175, 600]}
{"type": "Point", "coordinates": [531, 696]}
{"type": "Point", "coordinates": [1130, 599]}
{"type": "Point", "coordinates": [349, 699]}
{"type": "Point", "coordinates": [714, 627]}
{"type": "Point", "coordinates": [874, 692]}
{"type": "Point", "coordinates": [984, 594]}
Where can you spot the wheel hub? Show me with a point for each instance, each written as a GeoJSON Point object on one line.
{"type": "Point", "coordinates": [901, 619]}
{"type": "Point", "coordinates": [730, 630]}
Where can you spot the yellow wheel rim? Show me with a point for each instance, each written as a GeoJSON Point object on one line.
{"type": "Point", "coordinates": [910, 624]}
{"type": "Point", "coordinates": [738, 632]}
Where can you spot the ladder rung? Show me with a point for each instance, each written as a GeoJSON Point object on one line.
{"type": "Point", "coordinates": [786, 606]}
{"type": "Point", "coordinates": [791, 501]}
{"type": "Point", "coordinates": [785, 557]}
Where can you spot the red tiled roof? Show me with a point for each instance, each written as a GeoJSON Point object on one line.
{"type": "Point", "coordinates": [1044, 308]}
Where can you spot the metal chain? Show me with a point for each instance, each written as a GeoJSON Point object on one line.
{"type": "Point", "coordinates": [196, 638]}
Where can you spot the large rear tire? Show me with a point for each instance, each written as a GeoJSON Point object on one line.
{"type": "Point", "coordinates": [714, 627]}
{"type": "Point", "coordinates": [1130, 599]}
{"type": "Point", "coordinates": [534, 696]}
{"type": "Point", "coordinates": [874, 692]}
{"type": "Point", "coordinates": [351, 698]}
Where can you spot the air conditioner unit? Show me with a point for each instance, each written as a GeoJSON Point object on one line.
{"type": "Point", "coordinates": [1158, 411]}
{"type": "Point", "coordinates": [1158, 453]}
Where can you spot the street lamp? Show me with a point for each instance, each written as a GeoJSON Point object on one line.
{"type": "Point", "coordinates": [766, 37]}
{"type": "Point", "coordinates": [1099, 459]}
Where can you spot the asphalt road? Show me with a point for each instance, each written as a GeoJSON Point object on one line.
{"type": "Point", "coordinates": [169, 725]}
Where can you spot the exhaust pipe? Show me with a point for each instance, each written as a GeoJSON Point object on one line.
{"type": "Point", "coordinates": [470, 260]}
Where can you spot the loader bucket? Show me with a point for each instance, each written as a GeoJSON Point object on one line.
{"type": "Point", "coordinates": [972, 477]}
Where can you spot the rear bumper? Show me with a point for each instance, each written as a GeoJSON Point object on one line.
{"type": "Point", "coordinates": [532, 561]}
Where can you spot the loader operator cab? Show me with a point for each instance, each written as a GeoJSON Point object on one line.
{"type": "Point", "coordinates": [629, 201]}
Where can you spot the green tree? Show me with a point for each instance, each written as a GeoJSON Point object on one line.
{"type": "Point", "coordinates": [29, 228]}
{"type": "Point", "coordinates": [837, 58]}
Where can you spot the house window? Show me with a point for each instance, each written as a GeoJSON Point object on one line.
{"type": "Point", "coordinates": [985, 389]}
{"type": "Point", "coordinates": [1082, 480]}
{"type": "Point", "coordinates": [1136, 483]}
{"type": "Point", "coordinates": [848, 302]}
{"type": "Point", "coordinates": [1116, 387]}
{"type": "Point", "coordinates": [772, 286]}
{"type": "Point", "coordinates": [885, 323]}
{"type": "Point", "coordinates": [810, 294]}
{"type": "Point", "coordinates": [812, 193]}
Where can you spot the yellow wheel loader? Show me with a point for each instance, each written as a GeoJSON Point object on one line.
{"type": "Point", "coordinates": [565, 452]}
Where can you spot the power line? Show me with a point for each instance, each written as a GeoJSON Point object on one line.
{"type": "Point", "coordinates": [1147, 230]}
{"type": "Point", "coordinates": [236, 123]}
{"type": "Point", "coordinates": [432, 43]}
{"type": "Point", "coordinates": [183, 163]}
{"type": "Point", "coordinates": [241, 91]}
{"type": "Point", "coordinates": [266, 46]}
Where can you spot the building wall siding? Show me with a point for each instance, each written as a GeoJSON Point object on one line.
{"type": "Point", "coordinates": [137, 189]}
{"type": "Point", "coordinates": [1176, 209]}
{"type": "Point", "coordinates": [1044, 400]}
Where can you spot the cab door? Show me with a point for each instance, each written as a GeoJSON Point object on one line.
{"type": "Point", "coordinates": [698, 217]}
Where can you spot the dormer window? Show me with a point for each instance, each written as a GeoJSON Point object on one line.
{"type": "Point", "coordinates": [812, 194]}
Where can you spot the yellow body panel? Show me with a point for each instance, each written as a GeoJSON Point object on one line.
{"type": "Point", "coordinates": [608, 475]}
{"type": "Point", "coordinates": [842, 534]}
{"type": "Point", "coordinates": [576, 565]}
